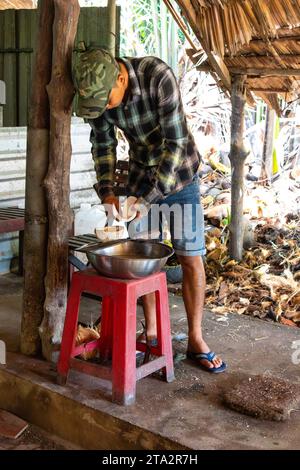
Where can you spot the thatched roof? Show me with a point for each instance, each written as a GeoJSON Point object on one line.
{"type": "Point", "coordinates": [17, 4]}
{"type": "Point", "coordinates": [259, 38]}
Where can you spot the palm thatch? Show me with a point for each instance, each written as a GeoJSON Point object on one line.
{"type": "Point", "coordinates": [258, 38]}
{"type": "Point", "coordinates": [17, 4]}
{"type": "Point", "coordinates": [228, 25]}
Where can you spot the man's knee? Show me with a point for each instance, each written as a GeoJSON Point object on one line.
{"type": "Point", "coordinates": [191, 263]}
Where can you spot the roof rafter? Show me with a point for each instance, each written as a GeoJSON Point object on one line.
{"type": "Point", "coordinates": [216, 61]}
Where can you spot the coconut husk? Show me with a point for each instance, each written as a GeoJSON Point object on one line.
{"type": "Point", "coordinates": [264, 397]}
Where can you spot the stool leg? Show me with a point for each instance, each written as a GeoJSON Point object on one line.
{"type": "Point", "coordinates": [70, 330]}
{"type": "Point", "coordinates": [124, 361]}
{"type": "Point", "coordinates": [164, 330]}
{"type": "Point", "coordinates": [105, 347]}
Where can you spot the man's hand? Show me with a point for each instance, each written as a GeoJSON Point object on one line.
{"type": "Point", "coordinates": [128, 210]}
{"type": "Point", "coordinates": [112, 206]}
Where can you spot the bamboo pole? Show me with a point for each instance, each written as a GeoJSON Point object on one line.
{"type": "Point", "coordinates": [237, 158]}
{"type": "Point", "coordinates": [267, 157]}
{"type": "Point", "coordinates": [111, 27]}
{"type": "Point", "coordinates": [35, 238]}
{"type": "Point", "coordinates": [60, 91]}
{"type": "Point", "coordinates": [155, 25]}
{"type": "Point", "coordinates": [164, 32]}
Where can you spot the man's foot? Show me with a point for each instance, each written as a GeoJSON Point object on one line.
{"type": "Point", "coordinates": [198, 347]}
{"type": "Point", "coordinates": [149, 339]}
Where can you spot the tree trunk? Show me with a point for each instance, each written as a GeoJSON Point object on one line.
{"type": "Point", "coordinates": [267, 158]}
{"type": "Point", "coordinates": [237, 157]}
{"type": "Point", "coordinates": [35, 238]}
{"type": "Point", "coordinates": [111, 28]}
{"type": "Point", "coordinates": [57, 182]}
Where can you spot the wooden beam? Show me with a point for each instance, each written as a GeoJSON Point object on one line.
{"type": "Point", "coordinates": [216, 62]}
{"type": "Point", "coordinates": [57, 182]}
{"type": "Point", "coordinates": [252, 55]}
{"type": "Point", "coordinates": [269, 90]}
{"type": "Point", "coordinates": [275, 40]}
{"type": "Point", "coordinates": [37, 161]}
{"type": "Point", "coordinates": [284, 57]}
{"type": "Point", "coordinates": [263, 72]}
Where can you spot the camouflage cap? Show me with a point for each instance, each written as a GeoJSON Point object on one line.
{"type": "Point", "coordinates": [94, 73]}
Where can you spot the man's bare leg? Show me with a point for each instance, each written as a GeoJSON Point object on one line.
{"type": "Point", "coordinates": [149, 305]}
{"type": "Point", "coordinates": [193, 289]}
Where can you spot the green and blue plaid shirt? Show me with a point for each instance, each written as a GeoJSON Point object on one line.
{"type": "Point", "coordinates": [163, 157]}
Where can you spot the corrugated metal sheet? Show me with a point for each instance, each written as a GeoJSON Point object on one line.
{"type": "Point", "coordinates": [8, 64]}
{"type": "Point", "coordinates": [12, 177]}
{"type": "Point", "coordinates": [26, 27]}
{"type": "Point", "coordinates": [17, 43]}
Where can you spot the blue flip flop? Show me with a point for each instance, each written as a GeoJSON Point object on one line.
{"type": "Point", "coordinates": [196, 357]}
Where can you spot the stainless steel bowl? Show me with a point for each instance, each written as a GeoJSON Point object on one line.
{"type": "Point", "coordinates": [128, 259]}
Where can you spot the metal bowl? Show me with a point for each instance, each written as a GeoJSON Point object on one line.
{"type": "Point", "coordinates": [129, 259]}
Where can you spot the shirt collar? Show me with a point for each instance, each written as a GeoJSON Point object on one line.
{"type": "Point", "coordinates": [135, 88]}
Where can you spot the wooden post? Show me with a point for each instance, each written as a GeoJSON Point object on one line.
{"type": "Point", "coordinates": [267, 157]}
{"type": "Point", "coordinates": [35, 239]}
{"type": "Point", "coordinates": [57, 183]}
{"type": "Point", "coordinates": [111, 27]}
{"type": "Point", "coordinates": [237, 157]}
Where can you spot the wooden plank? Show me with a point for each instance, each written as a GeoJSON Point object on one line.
{"type": "Point", "coordinates": [11, 426]}
{"type": "Point", "coordinates": [12, 225]}
{"type": "Point", "coordinates": [263, 72]}
{"type": "Point", "coordinates": [13, 213]}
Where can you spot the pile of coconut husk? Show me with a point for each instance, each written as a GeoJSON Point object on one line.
{"type": "Point", "coordinates": [266, 283]}
{"type": "Point", "coordinates": [264, 397]}
{"type": "Point", "coordinates": [85, 334]}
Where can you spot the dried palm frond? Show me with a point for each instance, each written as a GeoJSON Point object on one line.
{"type": "Point", "coordinates": [230, 24]}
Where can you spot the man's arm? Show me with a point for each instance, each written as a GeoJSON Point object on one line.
{"type": "Point", "coordinates": [104, 144]}
{"type": "Point", "coordinates": [175, 133]}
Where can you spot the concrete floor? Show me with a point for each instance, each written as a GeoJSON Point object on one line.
{"type": "Point", "coordinates": [185, 414]}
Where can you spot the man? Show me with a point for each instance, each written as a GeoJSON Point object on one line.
{"type": "Point", "coordinates": [141, 97]}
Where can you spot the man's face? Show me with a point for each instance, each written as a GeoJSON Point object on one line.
{"type": "Point", "coordinates": [117, 93]}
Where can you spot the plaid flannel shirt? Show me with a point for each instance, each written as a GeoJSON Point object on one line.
{"type": "Point", "coordinates": [163, 157]}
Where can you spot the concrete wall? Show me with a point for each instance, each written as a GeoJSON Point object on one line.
{"type": "Point", "coordinates": [12, 177]}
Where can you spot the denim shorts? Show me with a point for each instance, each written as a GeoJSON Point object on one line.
{"type": "Point", "coordinates": [182, 211]}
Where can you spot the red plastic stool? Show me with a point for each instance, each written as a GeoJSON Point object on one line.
{"type": "Point", "coordinates": [118, 332]}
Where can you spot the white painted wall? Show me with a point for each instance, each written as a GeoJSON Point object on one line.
{"type": "Point", "coordinates": [12, 177]}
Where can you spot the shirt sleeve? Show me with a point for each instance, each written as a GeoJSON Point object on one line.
{"type": "Point", "coordinates": [174, 132]}
{"type": "Point", "coordinates": [104, 144]}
